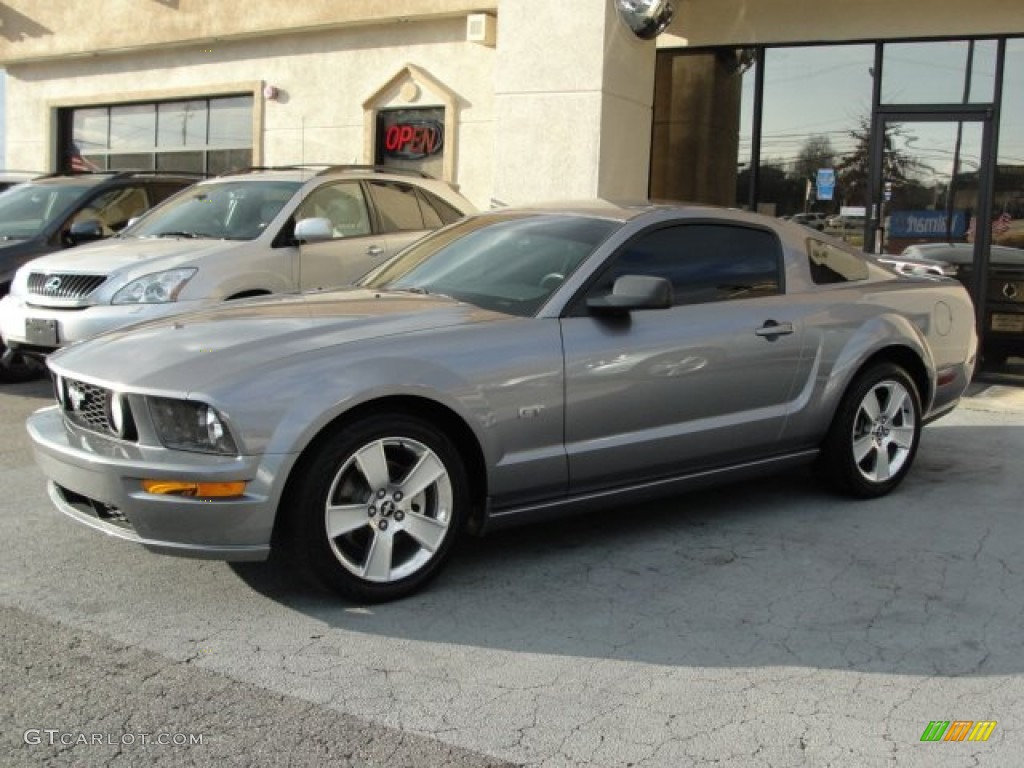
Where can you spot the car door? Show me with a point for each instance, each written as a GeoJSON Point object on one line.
{"type": "Point", "coordinates": [703, 383]}
{"type": "Point", "coordinates": [354, 249]}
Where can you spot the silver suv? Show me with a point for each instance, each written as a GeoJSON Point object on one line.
{"type": "Point", "coordinates": [261, 231]}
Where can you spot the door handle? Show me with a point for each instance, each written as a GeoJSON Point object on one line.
{"type": "Point", "coordinates": [374, 250]}
{"type": "Point", "coordinates": [771, 329]}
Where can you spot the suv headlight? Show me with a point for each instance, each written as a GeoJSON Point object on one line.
{"type": "Point", "coordinates": [157, 288]}
{"type": "Point", "coordinates": [190, 426]}
{"type": "Point", "coordinates": [19, 285]}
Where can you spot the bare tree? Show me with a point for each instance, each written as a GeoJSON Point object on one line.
{"type": "Point", "coordinates": [853, 169]}
{"type": "Point", "coordinates": [816, 152]}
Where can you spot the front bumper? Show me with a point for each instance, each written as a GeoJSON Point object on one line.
{"type": "Point", "coordinates": [97, 481]}
{"type": "Point", "coordinates": [71, 325]}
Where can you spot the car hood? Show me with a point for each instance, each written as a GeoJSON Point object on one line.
{"type": "Point", "coordinates": [182, 353]}
{"type": "Point", "coordinates": [962, 254]}
{"type": "Point", "coordinates": [148, 254]}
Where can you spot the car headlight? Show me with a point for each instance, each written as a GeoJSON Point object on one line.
{"type": "Point", "coordinates": [157, 288]}
{"type": "Point", "coordinates": [190, 426]}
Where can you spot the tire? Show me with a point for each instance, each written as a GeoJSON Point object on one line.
{"type": "Point", "coordinates": [368, 526]}
{"type": "Point", "coordinates": [873, 439]}
{"type": "Point", "coordinates": [17, 368]}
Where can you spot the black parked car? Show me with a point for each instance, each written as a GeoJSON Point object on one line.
{"type": "Point", "coordinates": [61, 210]}
{"type": "Point", "coordinates": [1004, 301]}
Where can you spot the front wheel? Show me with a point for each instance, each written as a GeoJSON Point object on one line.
{"type": "Point", "coordinates": [379, 508]}
{"type": "Point", "coordinates": [873, 439]}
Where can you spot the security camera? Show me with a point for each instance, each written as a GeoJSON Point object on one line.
{"type": "Point", "coordinates": [646, 18]}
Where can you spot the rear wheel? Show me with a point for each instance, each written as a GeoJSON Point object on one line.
{"type": "Point", "coordinates": [874, 436]}
{"type": "Point", "coordinates": [379, 508]}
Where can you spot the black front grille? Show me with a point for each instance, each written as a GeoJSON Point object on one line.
{"type": "Point", "coordinates": [1006, 289]}
{"type": "Point", "coordinates": [98, 509]}
{"type": "Point", "coordinates": [91, 407]}
{"type": "Point", "coordinates": [87, 405]}
{"type": "Point", "coordinates": [63, 286]}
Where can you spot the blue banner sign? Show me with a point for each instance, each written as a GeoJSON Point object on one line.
{"type": "Point", "coordinates": [928, 224]}
{"type": "Point", "coordinates": [826, 183]}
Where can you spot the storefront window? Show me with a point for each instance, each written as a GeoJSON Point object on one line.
{"type": "Point", "coordinates": [91, 129]}
{"type": "Point", "coordinates": [181, 124]}
{"type": "Point", "coordinates": [945, 72]}
{"type": "Point", "coordinates": [1008, 202]}
{"type": "Point", "coordinates": [230, 122]}
{"type": "Point", "coordinates": [701, 142]}
{"type": "Point", "coordinates": [198, 135]}
{"type": "Point", "coordinates": [816, 120]}
{"type": "Point", "coordinates": [133, 126]}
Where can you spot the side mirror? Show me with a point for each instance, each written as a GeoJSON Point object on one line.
{"type": "Point", "coordinates": [634, 292]}
{"type": "Point", "coordinates": [314, 230]}
{"type": "Point", "coordinates": [85, 232]}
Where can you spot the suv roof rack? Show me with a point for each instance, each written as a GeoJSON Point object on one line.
{"type": "Point", "coordinates": [124, 174]}
{"type": "Point", "coordinates": [260, 168]}
{"type": "Point", "coordinates": [375, 168]}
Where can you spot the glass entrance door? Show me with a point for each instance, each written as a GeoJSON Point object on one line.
{"type": "Point", "coordinates": [929, 195]}
{"type": "Point", "coordinates": [932, 205]}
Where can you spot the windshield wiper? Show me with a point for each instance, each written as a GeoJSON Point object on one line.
{"type": "Point", "coordinates": [189, 235]}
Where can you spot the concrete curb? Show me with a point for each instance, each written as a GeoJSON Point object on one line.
{"type": "Point", "coordinates": [982, 396]}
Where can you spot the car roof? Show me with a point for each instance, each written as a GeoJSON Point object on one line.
{"type": "Point", "coordinates": [626, 210]}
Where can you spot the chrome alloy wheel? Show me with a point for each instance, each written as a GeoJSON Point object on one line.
{"type": "Point", "coordinates": [389, 509]}
{"type": "Point", "coordinates": [884, 430]}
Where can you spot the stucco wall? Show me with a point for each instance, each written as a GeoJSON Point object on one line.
{"type": "Point", "coordinates": [323, 79]}
{"type": "Point", "coordinates": [34, 29]}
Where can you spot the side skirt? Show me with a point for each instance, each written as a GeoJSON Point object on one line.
{"type": "Point", "coordinates": [504, 517]}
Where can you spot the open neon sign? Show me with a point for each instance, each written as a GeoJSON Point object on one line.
{"type": "Point", "coordinates": [414, 139]}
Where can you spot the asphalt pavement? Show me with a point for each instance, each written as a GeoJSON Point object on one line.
{"type": "Point", "coordinates": [764, 624]}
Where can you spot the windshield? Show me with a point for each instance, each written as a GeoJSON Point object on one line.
{"type": "Point", "coordinates": [231, 210]}
{"type": "Point", "coordinates": [27, 209]}
{"type": "Point", "coordinates": [504, 262]}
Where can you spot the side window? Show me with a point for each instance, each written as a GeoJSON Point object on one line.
{"type": "Point", "coordinates": [398, 206]}
{"type": "Point", "coordinates": [114, 208]}
{"type": "Point", "coordinates": [343, 204]}
{"type": "Point", "coordinates": [704, 262]}
{"type": "Point", "coordinates": [160, 192]}
{"type": "Point", "coordinates": [434, 206]}
{"type": "Point", "coordinates": [831, 264]}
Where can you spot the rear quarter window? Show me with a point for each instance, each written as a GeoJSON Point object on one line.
{"type": "Point", "coordinates": [831, 264]}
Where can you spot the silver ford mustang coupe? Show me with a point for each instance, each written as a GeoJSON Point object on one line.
{"type": "Point", "coordinates": [518, 364]}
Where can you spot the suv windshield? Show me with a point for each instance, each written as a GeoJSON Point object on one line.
{"type": "Point", "coordinates": [25, 210]}
{"type": "Point", "coordinates": [504, 262]}
{"type": "Point", "coordinates": [231, 210]}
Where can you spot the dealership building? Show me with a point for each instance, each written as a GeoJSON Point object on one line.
{"type": "Point", "coordinates": [903, 122]}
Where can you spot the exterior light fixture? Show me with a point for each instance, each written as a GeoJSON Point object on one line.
{"type": "Point", "coordinates": [646, 18]}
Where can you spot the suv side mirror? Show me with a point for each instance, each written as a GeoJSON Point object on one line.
{"type": "Point", "coordinates": [634, 292]}
{"type": "Point", "coordinates": [85, 232]}
{"type": "Point", "coordinates": [314, 230]}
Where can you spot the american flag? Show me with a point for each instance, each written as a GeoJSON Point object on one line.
{"type": "Point", "coordinates": [79, 164]}
{"type": "Point", "coordinates": [1002, 224]}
